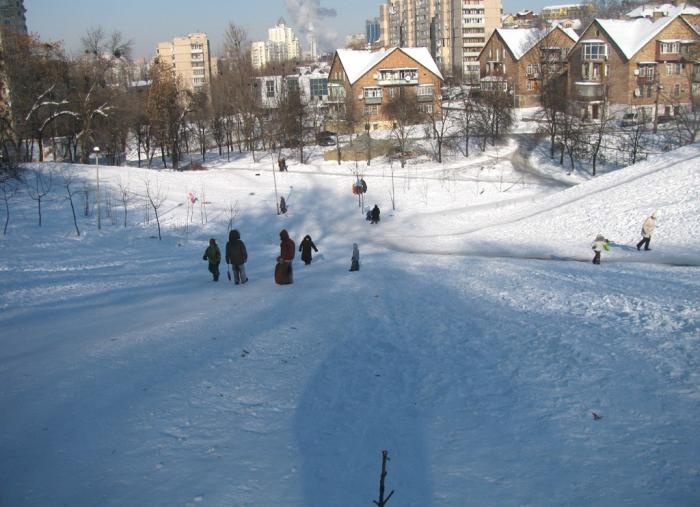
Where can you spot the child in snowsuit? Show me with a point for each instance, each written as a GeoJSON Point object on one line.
{"type": "Point", "coordinates": [355, 259]}
{"type": "Point", "coordinates": [599, 244]}
{"type": "Point", "coordinates": [647, 229]}
{"type": "Point", "coordinates": [236, 255]}
{"type": "Point", "coordinates": [213, 255]}
{"type": "Point", "coordinates": [305, 248]}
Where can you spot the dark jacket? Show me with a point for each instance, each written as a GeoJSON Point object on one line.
{"type": "Point", "coordinates": [236, 253]}
{"type": "Point", "coordinates": [287, 251]}
{"type": "Point", "coordinates": [212, 254]}
{"type": "Point", "coordinates": [305, 248]}
{"type": "Point", "coordinates": [375, 213]}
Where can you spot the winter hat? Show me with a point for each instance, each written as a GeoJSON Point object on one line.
{"type": "Point", "coordinates": [653, 215]}
{"type": "Point", "coordinates": [212, 241]}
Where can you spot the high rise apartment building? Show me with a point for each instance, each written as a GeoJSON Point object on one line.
{"type": "Point", "coordinates": [189, 58]}
{"type": "Point", "coordinates": [12, 15]}
{"type": "Point", "coordinates": [372, 31]}
{"type": "Point", "coordinates": [281, 45]}
{"type": "Point", "coordinates": [454, 31]}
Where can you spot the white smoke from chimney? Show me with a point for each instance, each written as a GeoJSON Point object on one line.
{"type": "Point", "coordinates": [308, 16]}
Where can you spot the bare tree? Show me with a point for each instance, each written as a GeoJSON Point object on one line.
{"type": "Point", "coordinates": [402, 110]}
{"type": "Point", "coordinates": [155, 198]}
{"type": "Point", "coordinates": [125, 197]}
{"type": "Point", "coordinates": [381, 502]}
{"type": "Point", "coordinates": [9, 186]}
{"type": "Point", "coordinates": [68, 180]}
{"type": "Point", "coordinates": [441, 125]}
{"type": "Point", "coordinates": [168, 105]}
{"type": "Point", "coordinates": [201, 114]}
{"type": "Point", "coordinates": [40, 189]}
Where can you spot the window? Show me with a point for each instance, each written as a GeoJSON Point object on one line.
{"type": "Point", "coordinates": [197, 72]}
{"type": "Point", "coordinates": [595, 51]}
{"type": "Point", "coordinates": [292, 85]}
{"type": "Point", "coordinates": [373, 93]}
{"type": "Point", "coordinates": [530, 86]}
{"type": "Point", "coordinates": [425, 91]}
{"type": "Point", "coordinates": [670, 47]}
{"type": "Point", "coordinates": [677, 90]}
{"type": "Point", "coordinates": [674, 68]}
{"type": "Point", "coordinates": [270, 89]}
{"type": "Point", "coordinates": [319, 87]}
{"type": "Point", "coordinates": [371, 110]}
{"type": "Point", "coordinates": [425, 108]}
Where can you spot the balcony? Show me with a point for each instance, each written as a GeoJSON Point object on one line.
{"type": "Point", "coordinates": [588, 91]}
{"type": "Point", "coordinates": [396, 77]}
{"type": "Point", "coordinates": [645, 80]}
{"type": "Point", "coordinates": [373, 100]}
{"type": "Point", "coordinates": [424, 97]}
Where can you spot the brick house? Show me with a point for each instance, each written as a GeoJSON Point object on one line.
{"type": "Point", "coordinates": [647, 65]}
{"type": "Point", "coordinates": [371, 79]}
{"type": "Point", "coordinates": [517, 60]}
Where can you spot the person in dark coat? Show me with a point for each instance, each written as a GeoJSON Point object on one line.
{"type": "Point", "coordinates": [283, 205]}
{"type": "Point", "coordinates": [236, 255]}
{"type": "Point", "coordinates": [355, 259]}
{"type": "Point", "coordinates": [213, 255]}
{"type": "Point", "coordinates": [375, 215]}
{"type": "Point", "coordinates": [287, 252]}
{"type": "Point", "coordinates": [305, 248]}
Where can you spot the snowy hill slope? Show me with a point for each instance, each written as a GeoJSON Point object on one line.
{"type": "Point", "coordinates": [129, 378]}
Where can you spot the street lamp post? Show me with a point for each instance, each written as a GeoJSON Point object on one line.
{"type": "Point", "coordinates": [96, 149]}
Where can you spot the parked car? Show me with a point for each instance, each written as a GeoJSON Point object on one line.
{"type": "Point", "coordinates": [326, 141]}
{"type": "Point", "coordinates": [633, 118]}
{"type": "Point", "coordinates": [664, 118]}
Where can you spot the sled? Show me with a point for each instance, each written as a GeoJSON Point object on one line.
{"type": "Point", "coordinates": [282, 273]}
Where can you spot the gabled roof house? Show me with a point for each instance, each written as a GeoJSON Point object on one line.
{"type": "Point", "coordinates": [518, 60]}
{"type": "Point", "coordinates": [368, 80]}
{"type": "Point", "coordinates": [643, 63]}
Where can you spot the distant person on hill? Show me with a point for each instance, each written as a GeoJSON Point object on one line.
{"type": "Point", "coordinates": [599, 244]}
{"type": "Point", "coordinates": [355, 259]}
{"type": "Point", "coordinates": [283, 205]}
{"type": "Point", "coordinates": [647, 229]}
{"type": "Point", "coordinates": [213, 255]}
{"type": "Point", "coordinates": [236, 255]}
{"type": "Point", "coordinates": [305, 248]}
{"type": "Point", "coordinates": [375, 215]}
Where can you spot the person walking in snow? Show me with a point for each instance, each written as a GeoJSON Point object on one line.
{"type": "Point", "coordinates": [375, 215]}
{"type": "Point", "coordinates": [236, 255]}
{"type": "Point", "coordinates": [599, 244]}
{"type": "Point", "coordinates": [647, 229]}
{"type": "Point", "coordinates": [213, 255]}
{"type": "Point", "coordinates": [283, 205]}
{"type": "Point", "coordinates": [305, 248]}
{"type": "Point", "coordinates": [287, 252]}
{"type": "Point", "coordinates": [355, 259]}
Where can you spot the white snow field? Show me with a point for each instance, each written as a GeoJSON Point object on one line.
{"type": "Point", "coordinates": [474, 345]}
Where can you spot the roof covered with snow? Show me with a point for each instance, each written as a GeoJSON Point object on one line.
{"type": "Point", "coordinates": [648, 11]}
{"type": "Point", "coordinates": [632, 35]}
{"type": "Point", "coordinates": [521, 40]}
{"type": "Point", "coordinates": [358, 63]}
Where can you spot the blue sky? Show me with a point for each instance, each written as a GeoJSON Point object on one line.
{"type": "Point", "coordinates": [148, 22]}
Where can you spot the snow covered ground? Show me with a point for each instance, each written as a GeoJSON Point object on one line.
{"type": "Point", "coordinates": [474, 344]}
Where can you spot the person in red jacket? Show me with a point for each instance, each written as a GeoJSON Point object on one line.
{"type": "Point", "coordinates": [287, 251]}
